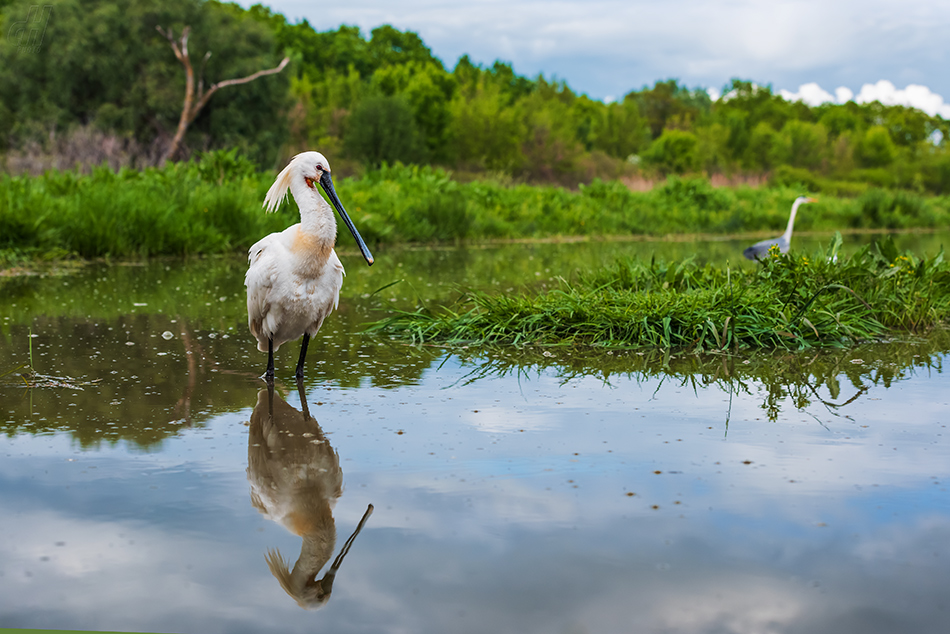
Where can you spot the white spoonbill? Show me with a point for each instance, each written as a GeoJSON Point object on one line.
{"type": "Point", "coordinates": [294, 277]}
{"type": "Point", "coordinates": [761, 249]}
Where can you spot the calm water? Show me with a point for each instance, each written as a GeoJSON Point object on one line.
{"type": "Point", "coordinates": [148, 482]}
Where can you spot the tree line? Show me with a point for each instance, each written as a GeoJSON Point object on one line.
{"type": "Point", "coordinates": [103, 74]}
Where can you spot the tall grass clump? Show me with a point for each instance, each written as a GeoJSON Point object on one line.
{"type": "Point", "coordinates": [183, 208]}
{"type": "Point", "coordinates": [790, 302]}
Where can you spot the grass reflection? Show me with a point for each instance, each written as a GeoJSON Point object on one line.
{"type": "Point", "coordinates": [141, 388]}
{"type": "Point", "coordinates": [832, 378]}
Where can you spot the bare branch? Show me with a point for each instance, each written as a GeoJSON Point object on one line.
{"type": "Point", "coordinates": [191, 107]}
{"type": "Point", "coordinates": [181, 52]}
{"type": "Point", "coordinates": [236, 82]}
{"type": "Point", "coordinates": [250, 78]}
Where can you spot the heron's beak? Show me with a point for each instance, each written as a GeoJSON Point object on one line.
{"type": "Point", "coordinates": [327, 183]}
{"type": "Point", "coordinates": [811, 200]}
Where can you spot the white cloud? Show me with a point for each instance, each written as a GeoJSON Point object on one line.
{"type": "Point", "coordinates": [843, 94]}
{"type": "Point", "coordinates": [914, 96]}
{"type": "Point", "coordinates": [811, 93]}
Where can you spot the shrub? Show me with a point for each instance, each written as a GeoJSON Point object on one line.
{"type": "Point", "coordinates": [674, 152]}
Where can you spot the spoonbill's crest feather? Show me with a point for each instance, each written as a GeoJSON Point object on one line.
{"type": "Point", "coordinates": [304, 164]}
{"type": "Point", "coordinates": [278, 191]}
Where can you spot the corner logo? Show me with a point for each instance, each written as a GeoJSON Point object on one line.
{"type": "Point", "coordinates": [28, 34]}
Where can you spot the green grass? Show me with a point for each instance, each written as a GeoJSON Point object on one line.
{"type": "Point", "coordinates": [413, 204]}
{"type": "Point", "coordinates": [214, 206]}
{"type": "Point", "coordinates": [790, 302]}
{"type": "Point", "coordinates": [176, 210]}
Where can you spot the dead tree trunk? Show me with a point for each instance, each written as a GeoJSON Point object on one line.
{"type": "Point", "coordinates": [195, 102]}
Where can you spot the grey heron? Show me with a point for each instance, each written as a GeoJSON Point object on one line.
{"type": "Point", "coordinates": [761, 249]}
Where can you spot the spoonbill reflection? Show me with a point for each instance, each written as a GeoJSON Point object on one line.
{"type": "Point", "coordinates": [294, 277]}
{"type": "Point", "coordinates": [761, 249]}
{"type": "Point", "coordinates": [295, 480]}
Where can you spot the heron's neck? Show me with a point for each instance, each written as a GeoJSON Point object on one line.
{"type": "Point", "coordinates": [316, 216]}
{"type": "Point", "coordinates": [791, 222]}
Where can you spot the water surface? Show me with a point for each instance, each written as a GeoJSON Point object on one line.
{"type": "Point", "coordinates": [146, 478]}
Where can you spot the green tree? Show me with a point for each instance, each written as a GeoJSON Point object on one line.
{"type": "Point", "coordinates": [935, 169]}
{"type": "Point", "coordinates": [743, 106]}
{"type": "Point", "coordinates": [345, 48]}
{"type": "Point", "coordinates": [842, 153]}
{"type": "Point", "coordinates": [907, 126]}
{"type": "Point", "coordinates": [875, 149]}
{"type": "Point", "coordinates": [486, 129]}
{"type": "Point", "coordinates": [675, 152]}
{"type": "Point", "coordinates": [550, 146]}
{"type": "Point", "coordinates": [389, 46]}
{"type": "Point", "coordinates": [382, 129]}
{"type": "Point", "coordinates": [839, 119]}
{"type": "Point", "coordinates": [617, 129]}
{"type": "Point", "coordinates": [428, 89]}
{"type": "Point", "coordinates": [712, 148]}
{"type": "Point", "coordinates": [318, 53]}
{"type": "Point", "coordinates": [805, 143]}
{"type": "Point", "coordinates": [668, 103]}
{"type": "Point", "coordinates": [513, 85]}
{"type": "Point", "coordinates": [321, 107]}
{"type": "Point", "coordinates": [103, 63]}
{"type": "Point", "coordinates": [766, 149]}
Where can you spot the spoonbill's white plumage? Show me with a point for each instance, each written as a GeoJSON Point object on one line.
{"type": "Point", "coordinates": [784, 241]}
{"type": "Point", "coordinates": [294, 277]}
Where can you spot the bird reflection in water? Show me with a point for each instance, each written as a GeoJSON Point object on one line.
{"type": "Point", "coordinates": [295, 479]}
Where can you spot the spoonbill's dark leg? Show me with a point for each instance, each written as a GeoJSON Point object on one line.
{"type": "Point", "coordinates": [303, 355]}
{"type": "Point", "coordinates": [270, 399]}
{"type": "Point", "coordinates": [269, 374]}
{"type": "Point", "coordinates": [304, 409]}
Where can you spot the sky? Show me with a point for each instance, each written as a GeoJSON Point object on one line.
{"type": "Point", "coordinates": [814, 50]}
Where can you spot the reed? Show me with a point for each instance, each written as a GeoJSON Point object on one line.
{"type": "Point", "coordinates": [791, 301]}
{"type": "Point", "coordinates": [214, 206]}
{"type": "Point", "coordinates": [177, 210]}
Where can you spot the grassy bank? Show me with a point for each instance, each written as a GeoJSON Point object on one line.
{"type": "Point", "coordinates": [214, 206]}
{"type": "Point", "coordinates": [790, 301]}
